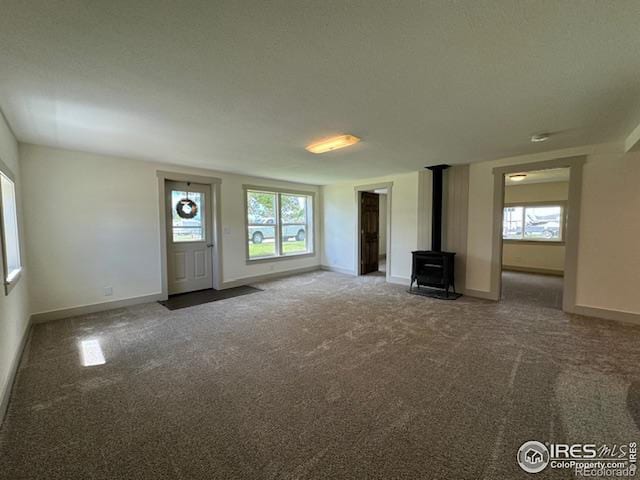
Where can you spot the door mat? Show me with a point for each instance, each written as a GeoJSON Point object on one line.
{"type": "Point", "coordinates": [191, 299]}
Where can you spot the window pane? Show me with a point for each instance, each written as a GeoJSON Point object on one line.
{"type": "Point", "coordinates": [294, 239]}
{"type": "Point", "coordinates": [543, 223]}
{"type": "Point", "coordinates": [10, 227]}
{"type": "Point", "coordinates": [512, 223]}
{"type": "Point", "coordinates": [293, 209]}
{"type": "Point", "coordinates": [262, 208]}
{"type": "Point", "coordinates": [261, 218]}
{"type": "Point", "coordinates": [188, 216]}
{"type": "Point", "coordinates": [294, 212]}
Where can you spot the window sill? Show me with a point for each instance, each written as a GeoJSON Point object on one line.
{"type": "Point", "coordinates": [12, 280]}
{"type": "Point", "coordinates": [556, 243]}
{"type": "Point", "coordinates": [281, 257]}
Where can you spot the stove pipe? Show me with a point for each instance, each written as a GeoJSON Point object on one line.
{"type": "Point", "coordinates": [436, 207]}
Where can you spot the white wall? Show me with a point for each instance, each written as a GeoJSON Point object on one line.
{"type": "Point", "coordinates": [382, 241]}
{"type": "Point", "coordinates": [541, 255]}
{"type": "Point", "coordinates": [537, 192]}
{"type": "Point", "coordinates": [339, 217]}
{"type": "Point", "coordinates": [535, 258]}
{"type": "Point", "coordinates": [340, 223]}
{"type": "Point", "coordinates": [113, 239]}
{"type": "Point", "coordinates": [608, 252]}
{"type": "Point", "coordinates": [455, 218]}
{"type": "Point", "coordinates": [14, 308]}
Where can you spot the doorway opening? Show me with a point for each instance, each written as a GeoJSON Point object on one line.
{"type": "Point", "coordinates": [373, 254]}
{"type": "Point", "coordinates": [536, 226]}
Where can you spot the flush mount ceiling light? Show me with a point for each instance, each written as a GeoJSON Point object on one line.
{"type": "Point", "coordinates": [540, 137]}
{"type": "Point", "coordinates": [332, 143]}
{"type": "Point", "coordinates": [518, 177]}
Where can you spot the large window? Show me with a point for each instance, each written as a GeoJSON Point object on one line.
{"type": "Point", "coordinates": [542, 223]}
{"type": "Point", "coordinates": [279, 224]}
{"type": "Point", "coordinates": [10, 238]}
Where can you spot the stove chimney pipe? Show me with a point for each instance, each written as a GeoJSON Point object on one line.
{"type": "Point", "coordinates": [436, 207]}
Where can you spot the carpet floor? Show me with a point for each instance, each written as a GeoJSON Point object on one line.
{"type": "Point", "coordinates": [319, 376]}
{"type": "Point", "coordinates": [532, 289]}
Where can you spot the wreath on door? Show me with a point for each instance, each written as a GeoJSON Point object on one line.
{"type": "Point", "coordinates": [186, 208]}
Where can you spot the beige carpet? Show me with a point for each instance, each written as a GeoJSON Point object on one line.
{"type": "Point", "coordinates": [530, 289]}
{"type": "Point", "coordinates": [319, 376]}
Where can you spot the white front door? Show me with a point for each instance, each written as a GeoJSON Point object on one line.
{"type": "Point", "coordinates": [189, 236]}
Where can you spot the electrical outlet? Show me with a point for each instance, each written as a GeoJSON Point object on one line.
{"type": "Point", "coordinates": [108, 291]}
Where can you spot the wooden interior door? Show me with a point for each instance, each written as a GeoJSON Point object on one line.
{"type": "Point", "coordinates": [369, 232]}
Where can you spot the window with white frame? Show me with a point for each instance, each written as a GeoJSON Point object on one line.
{"type": "Point", "coordinates": [544, 223]}
{"type": "Point", "coordinates": [10, 235]}
{"type": "Point", "coordinates": [279, 224]}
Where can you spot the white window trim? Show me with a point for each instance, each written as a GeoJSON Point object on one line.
{"type": "Point", "coordinates": [10, 279]}
{"type": "Point", "coordinates": [525, 205]}
{"type": "Point", "coordinates": [277, 225]}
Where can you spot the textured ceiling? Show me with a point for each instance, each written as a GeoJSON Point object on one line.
{"type": "Point", "coordinates": [243, 86]}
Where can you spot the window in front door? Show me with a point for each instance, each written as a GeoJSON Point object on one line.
{"type": "Point", "coordinates": [188, 216]}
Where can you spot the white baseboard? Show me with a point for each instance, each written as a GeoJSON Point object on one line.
{"type": "Point", "coordinates": [58, 314]}
{"type": "Point", "coordinates": [606, 314]}
{"type": "Point", "coordinates": [480, 294]}
{"type": "Point", "coordinates": [617, 315]}
{"type": "Point", "coordinates": [268, 276]}
{"type": "Point", "coordinates": [344, 271]}
{"type": "Point", "coordinates": [542, 271]}
{"type": "Point", "coordinates": [399, 280]}
{"type": "Point", "coordinates": [93, 308]}
{"type": "Point", "coordinates": [5, 395]}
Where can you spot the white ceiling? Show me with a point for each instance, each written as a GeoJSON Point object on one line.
{"type": "Point", "coordinates": [541, 176]}
{"type": "Point", "coordinates": [243, 86]}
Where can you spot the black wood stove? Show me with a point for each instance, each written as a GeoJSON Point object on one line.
{"type": "Point", "coordinates": [433, 270]}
